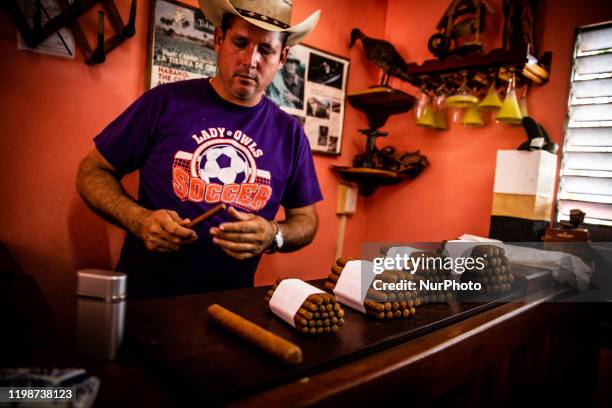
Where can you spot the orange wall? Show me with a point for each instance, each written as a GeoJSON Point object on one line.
{"type": "Point", "coordinates": [52, 108]}
{"type": "Point", "coordinates": [454, 195]}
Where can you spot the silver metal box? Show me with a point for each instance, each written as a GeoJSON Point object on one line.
{"type": "Point", "coordinates": [109, 286]}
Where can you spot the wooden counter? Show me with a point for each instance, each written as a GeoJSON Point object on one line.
{"type": "Point", "coordinates": [449, 352]}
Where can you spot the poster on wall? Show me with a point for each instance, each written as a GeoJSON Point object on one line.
{"type": "Point", "coordinates": [311, 87]}
{"type": "Point", "coordinates": [181, 44]}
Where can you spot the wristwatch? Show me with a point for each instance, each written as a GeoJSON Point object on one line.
{"type": "Point", "coordinates": [278, 241]}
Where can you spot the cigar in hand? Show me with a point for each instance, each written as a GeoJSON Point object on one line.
{"type": "Point", "coordinates": [201, 218]}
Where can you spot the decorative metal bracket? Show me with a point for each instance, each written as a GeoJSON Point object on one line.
{"type": "Point", "coordinates": [69, 16]}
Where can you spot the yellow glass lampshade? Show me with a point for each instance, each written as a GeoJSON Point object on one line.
{"type": "Point", "coordinates": [461, 101]}
{"type": "Point", "coordinates": [491, 101]}
{"type": "Point", "coordinates": [510, 112]}
{"type": "Point", "coordinates": [427, 118]}
{"type": "Point", "coordinates": [440, 120]}
{"type": "Point", "coordinates": [472, 118]}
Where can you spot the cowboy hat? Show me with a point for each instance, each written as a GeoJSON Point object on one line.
{"type": "Point", "coordinates": [271, 15]}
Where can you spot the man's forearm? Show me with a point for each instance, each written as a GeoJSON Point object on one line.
{"type": "Point", "coordinates": [298, 231]}
{"type": "Point", "coordinates": [103, 192]}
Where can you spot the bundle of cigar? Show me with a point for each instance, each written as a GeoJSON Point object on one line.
{"type": "Point", "coordinates": [430, 268]}
{"type": "Point", "coordinates": [381, 304]}
{"type": "Point", "coordinates": [319, 314]}
{"type": "Point", "coordinates": [495, 277]}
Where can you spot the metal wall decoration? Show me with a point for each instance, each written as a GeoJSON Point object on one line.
{"type": "Point", "coordinates": [37, 32]}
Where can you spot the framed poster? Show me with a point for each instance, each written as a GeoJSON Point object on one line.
{"type": "Point", "coordinates": [181, 44]}
{"type": "Point", "coordinates": [311, 87]}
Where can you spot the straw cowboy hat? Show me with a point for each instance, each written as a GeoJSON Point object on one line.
{"type": "Point", "coordinates": [271, 15]}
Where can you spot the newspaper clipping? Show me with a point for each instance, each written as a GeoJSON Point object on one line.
{"type": "Point", "coordinates": [183, 46]}
{"type": "Point", "coordinates": [311, 87]}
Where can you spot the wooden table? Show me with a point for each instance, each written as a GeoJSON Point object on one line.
{"type": "Point", "coordinates": [426, 359]}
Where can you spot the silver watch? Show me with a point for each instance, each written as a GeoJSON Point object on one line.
{"type": "Point", "coordinates": [278, 241]}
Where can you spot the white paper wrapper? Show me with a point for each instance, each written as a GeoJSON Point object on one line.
{"type": "Point", "coordinates": [566, 268]}
{"type": "Point", "coordinates": [289, 297]}
{"type": "Point", "coordinates": [403, 250]}
{"type": "Point", "coordinates": [352, 286]}
{"type": "Point", "coordinates": [459, 248]}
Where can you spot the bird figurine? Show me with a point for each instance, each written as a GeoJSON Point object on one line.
{"type": "Point", "coordinates": [383, 54]}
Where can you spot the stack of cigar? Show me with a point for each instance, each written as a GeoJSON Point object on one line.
{"type": "Point", "coordinates": [319, 314]}
{"type": "Point", "coordinates": [389, 304]}
{"type": "Point", "coordinates": [431, 269]}
{"type": "Point", "coordinates": [495, 277]}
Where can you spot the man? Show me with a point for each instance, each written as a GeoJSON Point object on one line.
{"type": "Point", "coordinates": [294, 94]}
{"type": "Point", "coordinates": [202, 142]}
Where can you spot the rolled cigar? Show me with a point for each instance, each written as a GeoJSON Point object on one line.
{"type": "Point", "coordinates": [310, 306]}
{"type": "Point", "coordinates": [342, 261]}
{"type": "Point", "coordinates": [256, 335]}
{"type": "Point", "coordinates": [316, 299]}
{"type": "Point", "coordinates": [213, 211]}
{"type": "Point", "coordinates": [340, 322]}
{"type": "Point", "coordinates": [336, 270]}
{"type": "Point", "coordinates": [324, 315]}
{"type": "Point", "coordinates": [376, 295]}
{"type": "Point", "coordinates": [387, 306]}
{"type": "Point", "coordinates": [389, 315]}
{"type": "Point", "coordinates": [395, 306]}
{"type": "Point", "coordinates": [340, 314]}
{"type": "Point", "coordinates": [334, 328]}
{"type": "Point", "coordinates": [405, 313]}
{"type": "Point", "coordinates": [378, 315]}
{"type": "Point", "coordinates": [374, 306]}
{"type": "Point", "coordinates": [322, 309]}
{"type": "Point", "coordinates": [329, 307]}
{"type": "Point", "coordinates": [300, 320]}
{"type": "Point", "coordinates": [397, 314]}
{"type": "Point", "coordinates": [316, 315]}
{"type": "Point", "coordinates": [305, 313]}
{"type": "Point", "coordinates": [330, 285]}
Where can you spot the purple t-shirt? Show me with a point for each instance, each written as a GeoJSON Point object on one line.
{"type": "Point", "coordinates": [195, 150]}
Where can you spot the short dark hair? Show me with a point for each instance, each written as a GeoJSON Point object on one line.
{"type": "Point", "coordinates": [228, 20]}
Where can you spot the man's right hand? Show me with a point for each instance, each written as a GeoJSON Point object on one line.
{"type": "Point", "coordinates": [164, 231]}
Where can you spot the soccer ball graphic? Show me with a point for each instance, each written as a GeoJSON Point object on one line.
{"type": "Point", "coordinates": [223, 165]}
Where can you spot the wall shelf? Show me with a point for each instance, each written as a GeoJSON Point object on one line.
{"type": "Point", "coordinates": [380, 102]}
{"type": "Point", "coordinates": [518, 59]}
{"type": "Point", "coordinates": [368, 179]}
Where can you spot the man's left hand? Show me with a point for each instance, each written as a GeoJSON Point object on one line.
{"type": "Point", "coordinates": [244, 238]}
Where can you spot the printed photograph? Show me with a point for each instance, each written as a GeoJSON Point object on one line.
{"type": "Point", "coordinates": [325, 71]}
{"type": "Point", "coordinates": [323, 131]}
{"type": "Point", "coordinates": [183, 44]}
{"type": "Point", "coordinates": [287, 88]}
{"type": "Point", "coordinates": [318, 108]}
